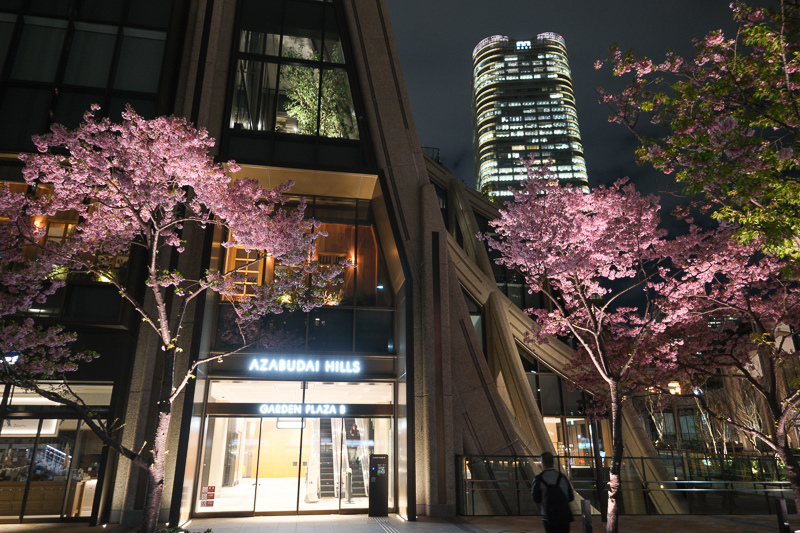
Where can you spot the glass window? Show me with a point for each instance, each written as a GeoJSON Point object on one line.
{"type": "Point", "coordinates": [230, 465]}
{"type": "Point", "coordinates": [335, 247]}
{"type": "Point", "coordinates": [333, 44]}
{"type": "Point", "coordinates": [260, 28]}
{"type": "Point", "coordinates": [302, 32]}
{"type": "Point", "coordinates": [345, 241]}
{"type": "Point", "coordinates": [299, 100]}
{"type": "Point", "coordinates": [254, 95]}
{"type": "Point", "coordinates": [139, 66]}
{"type": "Point", "coordinates": [28, 110]}
{"type": "Point", "coordinates": [145, 108]}
{"type": "Point", "coordinates": [39, 49]}
{"type": "Point", "coordinates": [41, 470]}
{"type": "Point", "coordinates": [96, 302]}
{"type": "Point", "coordinates": [64, 466]}
{"type": "Point", "coordinates": [375, 331]}
{"type": "Point", "coordinates": [51, 7]}
{"type": "Point", "coordinates": [514, 292]}
{"type": "Point", "coordinates": [90, 55]}
{"type": "Point", "coordinates": [249, 266]}
{"type": "Point", "coordinates": [337, 116]}
{"type": "Point", "coordinates": [6, 30]}
{"type": "Point", "coordinates": [284, 331]}
{"type": "Point", "coordinates": [578, 442]}
{"type": "Point", "coordinates": [336, 210]}
{"type": "Point", "coordinates": [105, 10]}
{"type": "Point", "coordinates": [571, 400]}
{"type": "Point", "coordinates": [86, 459]}
{"type": "Point", "coordinates": [550, 393]}
{"type": "Point", "coordinates": [71, 106]}
{"type": "Point", "coordinates": [555, 430]}
{"type": "Point", "coordinates": [151, 13]}
{"type": "Point", "coordinates": [373, 288]}
{"type": "Point", "coordinates": [95, 395]}
{"type": "Point", "coordinates": [534, 385]}
{"type": "Point", "coordinates": [303, 39]}
{"type": "Point", "coordinates": [330, 329]}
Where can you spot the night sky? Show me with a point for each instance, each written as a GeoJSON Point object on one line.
{"type": "Point", "coordinates": [436, 38]}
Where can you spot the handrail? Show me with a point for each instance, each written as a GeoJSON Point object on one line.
{"type": "Point", "coordinates": [500, 485]}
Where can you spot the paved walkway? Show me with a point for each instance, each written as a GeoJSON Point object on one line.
{"type": "Point", "coordinates": [393, 524]}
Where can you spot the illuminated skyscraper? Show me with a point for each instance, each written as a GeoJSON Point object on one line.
{"type": "Point", "coordinates": [523, 104]}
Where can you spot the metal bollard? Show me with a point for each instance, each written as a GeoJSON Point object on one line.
{"type": "Point", "coordinates": [586, 514]}
{"type": "Point", "coordinates": [348, 487]}
{"type": "Point", "coordinates": [783, 517]}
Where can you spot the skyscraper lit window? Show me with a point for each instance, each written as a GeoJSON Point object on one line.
{"type": "Point", "coordinates": [524, 106]}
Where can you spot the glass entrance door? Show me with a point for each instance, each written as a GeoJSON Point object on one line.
{"type": "Point", "coordinates": [287, 465]}
{"type": "Point", "coordinates": [228, 478]}
{"type": "Point", "coordinates": [290, 464]}
{"type": "Point", "coordinates": [334, 473]}
{"type": "Point", "coordinates": [280, 464]}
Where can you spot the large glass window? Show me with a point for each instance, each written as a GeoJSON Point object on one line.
{"type": "Point", "coordinates": [6, 30]}
{"type": "Point", "coordinates": [62, 60]}
{"type": "Point", "coordinates": [90, 55]}
{"type": "Point", "coordinates": [48, 465]}
{"type": "Point", "coordinates": [343, 323]}
{"type": "Point", "coordinates": [286, 79]}
{"type": "Point", "coordinates": [39, 49]}
{"type": "Point", "coordinates": [254, 95]}
{"type": "Point", "coordinates": [140, 60]}
{"type": "Point", "coordinates": [562, 409]}
{"type": "Point", "coordinates": [27, 109]}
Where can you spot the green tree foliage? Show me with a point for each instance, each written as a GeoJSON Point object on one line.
{"type": "Point", "coordinates": [733, 118]}
{"type": "Point", "coordinates": [333, 106]}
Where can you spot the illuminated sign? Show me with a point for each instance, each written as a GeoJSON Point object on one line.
{"type": "Point", "coordinates": [308, 409]}
{"type": "Point", "coordinates": [316, 366]}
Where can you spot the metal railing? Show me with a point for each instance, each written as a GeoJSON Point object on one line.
{"type": "Point", "coordinates": [692, 483]}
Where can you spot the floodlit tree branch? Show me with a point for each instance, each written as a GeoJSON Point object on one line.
{"type": "Point", "coordinates": [731, 118]}
{"type": "Point", "coordinates": [141, 184]}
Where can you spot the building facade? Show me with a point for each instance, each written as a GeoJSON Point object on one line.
{"type": "Point", "coordinates": [419, 357]}
{"type": "Point", "coordinates": [523, 106]}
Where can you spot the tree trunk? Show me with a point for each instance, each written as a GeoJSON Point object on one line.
{"type": "Point", "coordinates": [789, 459]}
{"type": "Point", "coordinates": [156, 473]}
{"type": "Point", "coordinates": [614, 484]}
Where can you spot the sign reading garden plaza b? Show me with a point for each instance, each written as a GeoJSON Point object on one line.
{"type": "Point", "coordinates": [297, 409]}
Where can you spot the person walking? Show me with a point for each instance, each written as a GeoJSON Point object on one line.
{"type": "Point", "coordinates": [552, 489]}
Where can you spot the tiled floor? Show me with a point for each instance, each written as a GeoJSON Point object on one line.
{"type": "Point", "coordinates": [392, 524]}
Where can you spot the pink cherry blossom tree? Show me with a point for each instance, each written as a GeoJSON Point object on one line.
{"type": "Point", "coordinates": [588, 254]}
{"type": "Point", "coordinates": [737, 314]}
{"type": "Point", "coordinates": [141, 185]}
{"type": "Point", "coordinates": [727, 121]}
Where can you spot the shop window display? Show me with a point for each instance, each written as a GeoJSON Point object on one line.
{"type": "Point", "coordinates": [49, 466]}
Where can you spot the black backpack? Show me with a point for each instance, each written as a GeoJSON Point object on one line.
{"type": "Point", "coordinates": [555, 503]}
